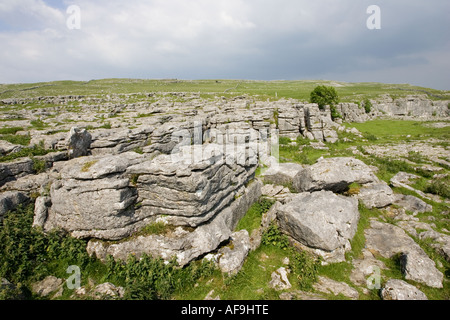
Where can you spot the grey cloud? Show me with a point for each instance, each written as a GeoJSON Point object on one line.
{"type": "Point", "coordinates": [252, 39]}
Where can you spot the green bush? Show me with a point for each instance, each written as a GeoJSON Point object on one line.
{"type": "Point", "coordinates": [252, 219]}
{"type": "Point", "coordinates": [148, 278]}
{"type": "Point", "coordinates": [367, 105]}
{"type": "Point", "coordinates": [323, 95]}
{"type": "Point", "coordinates": [306, 269]}
{"type": "Point", "coordinates": [10, 130]}
{"type": "Point", "coordinates": [36, 150]}
{"type": "Point", "coordinates": [274, 237]}
{"type": "Point", "coordinates": [29, 255]}
{"type": "Point", "coordinates": [23, 140]}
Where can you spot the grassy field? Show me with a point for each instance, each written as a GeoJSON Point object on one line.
{"type": "Point", "coordinates": [348, 92]}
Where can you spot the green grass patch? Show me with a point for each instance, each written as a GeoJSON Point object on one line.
{"type": "Point", "coordinates": [401, 130]}
{"type": "Point", "coordinates": [252, 220]}
{"type": "Point", "coordinates": [36, 150]}
{"type": "Point", "coordinates": [23, 140]}
{"type": "Point", "coordinates": [10, 130]}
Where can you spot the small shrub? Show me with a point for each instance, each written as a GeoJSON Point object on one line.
{"type": "Point", "coordinates": [36, 150]}
{"type": "Point", "coordinates": [415, 157]}
{"type": "Point", "coordinates": [334, 113]}
{"type": "Point", "coordinates": [39, 166]}
{"type": "Point", "coordinates": [38, 124]}
{"type": "Point", "coordinates": [370, 136]}
{"type": "Point", "coordinates": [23, 140]}
{"type": "Point", "coordinates": [306, 268]}
{"type": "Point", "coordinates": [274, 237]}
{"type": "Point", "coordinates": [12, 130]}
{"type": "Point", "coordinates": [107, 125]}
{"type": "Point", "coordinates": [252, 219]}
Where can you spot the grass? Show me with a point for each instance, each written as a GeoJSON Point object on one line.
{"type": "Point", "coordinates": [252, 220]}
{"type": "Point", "coordinates": [37, 150]}
{"type": "Point", "coordinates": [87, 166]}
{"type": "Point", "coordinates": [23, 140]}
{"type": "Point", "coordinates": [401, 130]}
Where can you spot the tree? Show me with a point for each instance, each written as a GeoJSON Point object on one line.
{"type": "Point", "coordinates": [323, 95]}
{"type": "Point", "coordinates": [367, 105]}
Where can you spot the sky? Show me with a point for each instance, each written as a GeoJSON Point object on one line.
{"type": "Point", "coordinates": [41, 40]}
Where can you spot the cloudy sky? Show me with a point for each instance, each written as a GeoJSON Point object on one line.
{"type": "Point", "coordinates": [226, 39]}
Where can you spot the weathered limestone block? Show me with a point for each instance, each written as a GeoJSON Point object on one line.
{"type": "Point", "coordinates": [184, 244]}
{"type": "Point", "coordinates": [320, 220]}
{"type": "Point", "coordinates": [16, 169]}
{"type": "Point", "coordinates": [94, 198]}
{"type": "Point", "coordinates": [334, 174]}
{"type": "Point", "coordinates": [78, 142]}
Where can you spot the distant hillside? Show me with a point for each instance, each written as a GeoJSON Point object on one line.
{"type": "Point", "coordinates": [348, 92]}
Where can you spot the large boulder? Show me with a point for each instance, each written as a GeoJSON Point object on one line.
{"type": "Point", "coordinates": [184, 244]}
{"type": "Point", "coordinates": [334, 174]}
{"type": "Point", "coordinates": [110, 197]}
{"type": "Point", "coordinates": [412, 203]}
{"type": "Point", "coordinates": [320, 220]}
{"type": "Point", "coordinates": [188, 192]}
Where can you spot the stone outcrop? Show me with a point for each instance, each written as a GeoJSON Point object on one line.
{"type": "Point", "coordinates": [78, 142]}
{"type": "Point", "coordinates": [231, 258]}
{"type": "Point", "coordinates": [94, 197]}
{"type": "Point", "coordinates": [111, 197]}
{"type": "Point", "coordinates": [280, 280]}
{"type": "Point", "coordinates": [183, 244]}
{"type": "Point", "coordinates": [376, 195]}
{"type": "Point", "coordinates": [142, 172]}
{"type": "Point", "coordinates": [328, 286]}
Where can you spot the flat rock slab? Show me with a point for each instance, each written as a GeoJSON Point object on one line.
{"type": "Point", "coordinates": [334, 174]}
{"type": "Point", "coordinates": [396, 289]}
{"type": "Point", "coordinates": [327, 285]}
{"type": "Point", "coordinates": [389, 240]}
